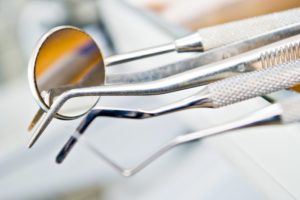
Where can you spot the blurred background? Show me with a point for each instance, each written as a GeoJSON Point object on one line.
{"type": "Point", "coordinates": [118, 26]}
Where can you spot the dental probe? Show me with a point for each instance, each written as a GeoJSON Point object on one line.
{"type": "Point", "coordinates": [284, 112]}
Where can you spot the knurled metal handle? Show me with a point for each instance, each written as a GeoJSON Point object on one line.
{"type": "Point", "coordinates": [227, 33]}
{"type": "Point", "coordinates": [253, 84]}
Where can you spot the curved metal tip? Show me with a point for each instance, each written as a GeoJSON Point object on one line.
{"type": "Point", "coordinates": [65, 150]}
{"type": "Point", "coordinates": [127, 173]}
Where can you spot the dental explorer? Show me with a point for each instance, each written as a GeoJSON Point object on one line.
{"type": "Point", "coordinates": [284, 112]}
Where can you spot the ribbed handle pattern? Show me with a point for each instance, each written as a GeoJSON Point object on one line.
{"type": "Point", "coordinates": [217, 36]}
{"type": "Point", "coordinates": [253, 84]}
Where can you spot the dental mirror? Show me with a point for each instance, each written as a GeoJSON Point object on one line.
{"type": "Point", "coordinates": [65, 58]}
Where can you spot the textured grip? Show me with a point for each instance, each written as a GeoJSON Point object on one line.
{"type": "Point", "coordinates": [290, 110]}
{"type": "Point", "coordinates": [220, 35]}
{"type": "Point", "coordinates": [253, 84]}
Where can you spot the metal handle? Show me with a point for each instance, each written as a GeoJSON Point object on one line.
{"type": "Point", "coordinates": [213, 37]}
{"type": "Point", "coordinates": [217, 36]}
{"type": "Point", "coordinates": [252, 84]}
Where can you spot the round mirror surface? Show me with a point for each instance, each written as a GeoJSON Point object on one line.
{"type": "Point", "coordinates": [66, 58]}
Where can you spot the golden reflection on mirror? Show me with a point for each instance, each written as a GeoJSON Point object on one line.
{"type": "Point", "coordinates": [67, 58]}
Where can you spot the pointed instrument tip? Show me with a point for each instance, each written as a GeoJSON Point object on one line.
{"type": "Point", "coordinates": [30, 144]}
{"type": "Point", "coordinates": [33, 139]}
{"type": "Point", "coordinates": [66, 149]}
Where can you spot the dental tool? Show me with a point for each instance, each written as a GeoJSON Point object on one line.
{"type": "Point", "coordinates": [284, 112]}
{"type": "Point", "coordinates": [222, 49]}
{"type": "Point", "coordinates": [205, 39]}
{"type": "Point", "coordinates": [214, 95]}
{"type": "Point", "coordinates": [268, 28]}
{"type": "Point", "coordinates": [277, 53]}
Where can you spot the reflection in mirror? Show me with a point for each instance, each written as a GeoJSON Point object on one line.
{"type": "Point", "coordinates": [66, 58]}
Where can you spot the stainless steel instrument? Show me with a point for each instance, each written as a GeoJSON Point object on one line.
{"type": "Point", "coordinates": [249, 61]}
{"type": "Point", "coordinates": [66, 70]}
{"type": "Point", "coordinates": [284, 112]}
{"type": "Point", "coordinates": [210, 38]}
{"type": "Point", "coordinates": [214, 95]}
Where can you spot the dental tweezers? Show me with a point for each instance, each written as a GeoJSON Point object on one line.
{"type": "Point", "coordinates": [214, 95]}
{"type": "Point", "coordinates": [218, 42]}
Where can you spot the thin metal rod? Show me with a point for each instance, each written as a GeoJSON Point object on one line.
{"type": "Point", "coordinates": [268, 115]}
{"type": "Point", "coordinates": [135, 55]}
{"type": "Point", "coordinates": [200, 59]}
{"type": "Point", "coordinates": [199, 100]}
{"type": "Point", "coordinates": [206, 39]}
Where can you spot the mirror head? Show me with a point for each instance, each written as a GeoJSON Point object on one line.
{"type": "Point", "coordinates": [66, 58]}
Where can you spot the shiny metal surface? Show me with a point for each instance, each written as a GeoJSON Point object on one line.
{"type": "Point", "coordinates": [274, 32]}
{"type": "Point", "coordinates": [197, 60]}
{"type": "Point", "coordinates": [217, 36]}
{"type": "Point", "coordinates": [200, 100]}
{"type": "Point", "coordinates": [189, 43]}
{"type": "Point", "coordinates": [191, 78]}
{"type": "Point", "coordinates": [34, 164]}
{"type": "Point", "coordinates": [135, 55]}
{"type": "Point", "coordinates": [218, 94]}
{"type": "Point", "coordinates": [201, 164]}
{"type": "Point", "coordinates": [273, 114]}
{"type": "Point", "coordinates": [206, 57]}
{"type": "Point", "coordinates": [225, 68]}
{"type": "Point", "coordinates": [65, 58]}
{"type": "Point", "coordinates": [265, 116]}
{"type": "Point", "coordinates": [278, 56]}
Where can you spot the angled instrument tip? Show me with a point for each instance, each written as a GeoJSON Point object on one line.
{"type": "Point", "coordinates": [67, 147]}
{"type": "Point", "coordinates": [35, 137]}
{"type": "Point", "coordinates": [44, 122]}
{"type": "Point", "coordinates": [32, 140]}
